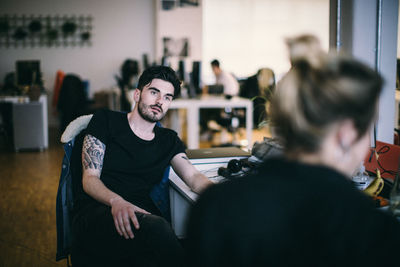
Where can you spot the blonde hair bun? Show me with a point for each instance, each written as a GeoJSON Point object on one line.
{"type": "Point", "coordinates": [305, 47]}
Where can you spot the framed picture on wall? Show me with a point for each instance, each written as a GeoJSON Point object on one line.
{"type": "Point", "coordinates": [189, 2]}
{"type": "Point", "coordinates": [171, 4]}
{"type": "Point", "coordinates": [175, 47]}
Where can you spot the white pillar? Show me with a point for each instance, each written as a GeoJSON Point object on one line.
{"type": "Point", "coordinates": [367, 30]}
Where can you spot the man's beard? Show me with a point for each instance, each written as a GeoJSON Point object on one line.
{"type": "Point", "coordinates": [148, 115]}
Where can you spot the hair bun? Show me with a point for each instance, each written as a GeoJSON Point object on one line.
{"type": "Point", "coordinates": [305, 48]}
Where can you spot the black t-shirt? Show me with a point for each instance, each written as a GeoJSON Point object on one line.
{"type": "Point", "coordinates": [290, 214]}
{"type": "Point", "coordinates": [132, 166]}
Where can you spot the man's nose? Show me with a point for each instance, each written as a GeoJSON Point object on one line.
{"type": "Point", "coordinates": [159, 100]}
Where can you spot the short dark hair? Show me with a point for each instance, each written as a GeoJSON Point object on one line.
{"type": "Point", "coordinates": [215, 63]}
{"type": "Point", "coordinates": [160, 72]}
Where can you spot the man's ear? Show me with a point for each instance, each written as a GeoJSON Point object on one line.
{"type": "Point", "coordinates": [136, 95]}
{"type": "Point", "coordinates": [346, 134]}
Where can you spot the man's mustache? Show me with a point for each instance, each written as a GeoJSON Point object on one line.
{"type": "Point", "coordinates": [157, 107]}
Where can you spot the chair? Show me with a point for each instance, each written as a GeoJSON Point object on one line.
{"type": "Point", "coordinates": [70, 171]}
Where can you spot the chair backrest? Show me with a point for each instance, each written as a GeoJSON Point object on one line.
{"type": "Point", "coordinates": [65, 200]}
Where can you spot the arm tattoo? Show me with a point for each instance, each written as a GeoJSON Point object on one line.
{"type": "Point", "coordinates": [92, 153]}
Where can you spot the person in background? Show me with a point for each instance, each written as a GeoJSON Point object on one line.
{"type": "Point", "coordinates": [218, 120]}
{"type": "Point", "coordinates": [259, 88]}
{"type": "Point", "coordinates": [230, 84]}
{"type": "Point", "coordinates": [124, 155]}
{"type": "Point", "coordinates": [302, 209]}
{"type": "Point", "coordinates": [128, 82]}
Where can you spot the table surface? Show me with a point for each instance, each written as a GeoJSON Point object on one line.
{"type": "Point", "coordinates": [208, 167]}
{"type": "Point", "coordinates": [14, 99]}
{"type": "Point", "coordinates": [210, 101]}
{"type": "Point", "coordinates": [193, 106]}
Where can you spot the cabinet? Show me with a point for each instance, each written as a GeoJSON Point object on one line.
{"type": "Point", "coordinates": [30, 129]}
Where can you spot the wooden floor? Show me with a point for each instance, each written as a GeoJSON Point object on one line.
{"type": "Point", "coordinates": [28, 188]}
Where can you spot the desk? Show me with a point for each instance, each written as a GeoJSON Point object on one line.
{"type": "Point", "coordinates": [193, 106]}
{"type": "Point", "coordinates": [181, 197]}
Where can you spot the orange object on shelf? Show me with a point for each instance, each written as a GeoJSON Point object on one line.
{"type": "Point", "coordinates": [380, 201]}
{"type": "Point", "coordinates": [57, 87]}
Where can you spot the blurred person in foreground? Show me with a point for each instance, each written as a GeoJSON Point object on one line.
{"type": "Point", "coordinates": [302, 209]}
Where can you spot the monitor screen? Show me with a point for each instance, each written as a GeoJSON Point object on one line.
{"type": "Point", "coordinates": [28, 72]}
{"type": "Point", "coordinates": [181, 70]}
{"type": "Point", "coordinates": [196, 76]}
{"type": "Point", "coordinates": [145, 61]}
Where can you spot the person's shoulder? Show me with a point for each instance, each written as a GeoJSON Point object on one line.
{"type": "Point", "coordinates": [165, 131]}
{"type": "Point", "coordinates": [102, 112]}
{"type": "Point", "coordinates": [110, 114]}
{"type": "Point", "coordinates": [286, 167]}
{"type": "Point", "coordinates": [229, 190]}
{"type": "Point", "coordinates": [216, 193]}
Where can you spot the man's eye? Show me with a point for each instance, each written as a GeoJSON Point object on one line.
{"type": "Point", "coordinates": [168, 98]}
{"type": "Point", "coordinates": [153, 92]}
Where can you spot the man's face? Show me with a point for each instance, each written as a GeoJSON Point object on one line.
{"type": "Point", "coordinates": [154, 99]}
{"type": "Point", "coordinates": [216, 70]}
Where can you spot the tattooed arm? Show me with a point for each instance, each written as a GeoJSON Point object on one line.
{"type": "Point", "coordinates": [92, 162]}
{"type": "Point", "coordinates": [189, 174]}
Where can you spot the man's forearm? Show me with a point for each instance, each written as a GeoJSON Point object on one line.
{"type": "Point", "coordinates": [200, 182]}
{"type": "Point", "coordinates": [95, 188]}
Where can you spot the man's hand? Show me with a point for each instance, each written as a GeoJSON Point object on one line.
{"type": "Point", "coordinates": [123, 212]}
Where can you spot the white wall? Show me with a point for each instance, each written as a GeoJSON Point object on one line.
{"type": "Point", "coordinates": [121, 29]}
{"type": "Point", "coordinates": [398, 36]}
{"type": "Point", "coordinates": [246, 35]}
{"type": "Point", "coordinates": [180, 22]}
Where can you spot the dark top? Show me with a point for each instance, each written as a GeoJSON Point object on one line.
{"type": "Point", "coordinates": [132, 166]}
{"type": "Point", "coordinates": [251, 90]}
{"type": "Point", "coordinates": [290, 214]}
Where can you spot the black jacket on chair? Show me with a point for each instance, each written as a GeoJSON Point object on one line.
{"type": "Point", "coordinates": [72, 101]}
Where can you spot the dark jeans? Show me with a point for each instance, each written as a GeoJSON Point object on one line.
{"type": "Point", "coordinates": [97, 242]}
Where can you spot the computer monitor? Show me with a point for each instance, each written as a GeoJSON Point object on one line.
{"type": "Point", "coordinates": [145, 61]}
{"type": "Point", "coordinates": [216, 89]}
{"type": "Point", "coordinates": [164, 61]}
{"type": "Point", "coordinates": [181, 70]}
{"type": "Point", "coordinates": [28, 72]}
{"type": "Point", "coordinates": [196, 77]}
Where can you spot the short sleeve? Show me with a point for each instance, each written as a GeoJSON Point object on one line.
{"type": "Point", "coordinates": [169, 141]}
{"type": "Point", "coordinates": [179, 146]}
{"type": "Point", "coordinates": [98, 126]}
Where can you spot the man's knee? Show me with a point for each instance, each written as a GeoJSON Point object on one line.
{"type": "Point", "coordinates": [154, 224]}
{"type": "Point", "coordinates": [157, 235]}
